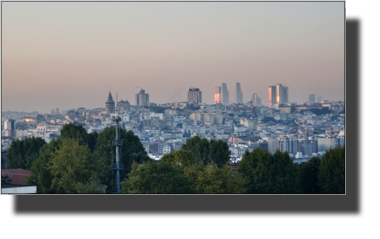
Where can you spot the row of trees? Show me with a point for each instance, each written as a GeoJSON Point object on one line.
{"type": "Point", "coordinates": [78, 162]}
{"type": "Point", "coordinates": [277, 174]}
{"type": "Point", "coordinates": [180, 172]}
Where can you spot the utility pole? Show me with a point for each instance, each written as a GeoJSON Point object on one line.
{"type": "Point", "coordinates": [118, 166]}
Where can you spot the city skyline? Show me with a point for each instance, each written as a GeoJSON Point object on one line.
{"type": "Point", "coordinates": [73, 53]}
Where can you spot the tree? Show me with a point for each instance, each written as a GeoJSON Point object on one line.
{"type": "Point", "coordinates": [266, 173]}
{"type": "Point", "coordinates": [78, 132]}
{"type": "Point", "coordinates": [71, 131]}
{"type": "Point", "coordinates": [214, 180]}
{"type": "Point", "coordinates": [22, 153]}
{"type": "Point", "coordinates": [308, 176]}
{"type": "Point", "coordinates": [205, 179]}
{"type": "Point", "coordinates": [131, 150]}
{"type": "Point", "coordinates": [219, 152]}
{"type": "Point", "coordinates": [216, 151]}
{"type": "Point", "coordinates": [285, 173]}
{"type": "Point", "coordinates": [41, 175]}
{"type": "Point", "coordinates": [157, 177]}
{"type": "Point", "coordinates": [91, 140]}
{"type": "Point", "coordinates": [331, 174]}
{"type": "Point", "coordinates": [74, 168]}
{"type": "Point", "coordinates": [179, 158]}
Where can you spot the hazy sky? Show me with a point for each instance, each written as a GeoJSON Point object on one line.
{"type": "Point", "coordinates": [69, 54]}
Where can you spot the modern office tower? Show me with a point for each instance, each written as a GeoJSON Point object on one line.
{"type": "Point", "coordinates": [110, 104]}
{"type": "Point", "coordinates": [142, 98]}
{"type": "Point", "coordinates": [286, 95]}
{"type": "Point", "coordinates": [256, 101]}
{"type": "Point", "coordinates": [217, 95]}
{"type": "Point", "coordinates": [279, 94]}
{"type": "Point", "coordinates": [238, 95]}
{"type": "Point", "coordinates": [311, 99]}
{"type": "Point", "coordinates": [271, 95]}
{"type": "Point", "coordinates": [56, 111]}
{"type": "Point", "coordinates": [9, 124]}
{"type": "Point", "coordinates": [319, 99]}
{"type": "Point", "coordinates": [225, 95]}
{"type": "Point", "coordinates": [194, 96]}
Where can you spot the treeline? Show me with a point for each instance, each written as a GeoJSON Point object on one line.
{"type": "Point", "coordinates": [199, 167]}
{"type": "Point", "coordinates": [202, 167]}
{"type": "Point", "coordinates": [277, 174]}
{"type": "Point", "coordinates": [76, 162]}
{"type": "Point", "coordinates": [79, 162]}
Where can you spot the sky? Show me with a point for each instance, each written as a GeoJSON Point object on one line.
{"type": "Point", "coordinates": [71, 54]}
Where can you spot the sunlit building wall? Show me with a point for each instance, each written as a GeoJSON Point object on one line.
{"type": "Point", "coordinates": [271, 95]}
{"type": "Point", "coordinates": [279, 94]}
{"type": "Point", "coordinates": [217, 95]}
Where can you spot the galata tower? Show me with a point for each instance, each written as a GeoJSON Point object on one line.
{"type": "Point", "coordinates": [110, 104]}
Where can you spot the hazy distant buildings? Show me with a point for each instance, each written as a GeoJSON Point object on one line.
{"type": "Point", "coordinates": [9, 124]}
{"type": "Point", "coordinates": [311, 99]}
{"type": "Point", "coordinates": [217, 95]}
{"type": "Point", "coordinates": [110, 104]}
{"type": "Point", "coordinates": [238, 94]}
{"type": "Point", "coordinates": [319, 99]}
{"type": "Point", "coordinates": [194, 96]}
{"type": "Point", "coordinates": [123, 105]}
{"type": "Point", "coordinates": [225, 95]}
{"type": "Point", "coordinates": [271, 96]}
{"type": "Point", "coordinates": [278, 94]}
{"type": "Point", "coordinates": [256, 101]}
{"type": "Point", "coordinates": [55, 111]}
{"type": "Point", "coordinates": [287, 144]}
{"type": "Point", "coordinates": [142, 98]}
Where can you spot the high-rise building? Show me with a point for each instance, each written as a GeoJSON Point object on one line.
{"type": "Point", "coordinates": [319, 99]}
{"type": "Point", "coordinates": [9, 124]}
{"type": "Point", "coordinates": [256, 101]}
{"type": "Point", "coordinates": [285, 94]}
{"type": "Point", "coordinates": [225, 95]}
{"type": "Point", "coordinates": [142, 98]}
{"type": "Point", "coordinates": [271, 95]}
{"type": "Point", "coordinates": [238, 94]}
{"type": "Point", "coordinates": [217, 95]}
{"type": "Point", "coordinates": [110, 104]}
{"type": "Point", "coordinates": [311, 99]}
{"type": "Point", "coordinates": [194, 96]}
{"type": "Point", "coordinates": [277, 95]}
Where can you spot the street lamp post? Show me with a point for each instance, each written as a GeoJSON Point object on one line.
{"type": "Point", "coordinates": [118, 166]}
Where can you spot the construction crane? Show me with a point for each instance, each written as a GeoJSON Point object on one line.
{"type": "Point", "coordinates": [330, 134]}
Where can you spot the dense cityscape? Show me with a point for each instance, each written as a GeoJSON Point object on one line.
{"type": "Point", "coordinates": [303, 130]}
{"type": "Point", "coordinates": [229, 101]}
